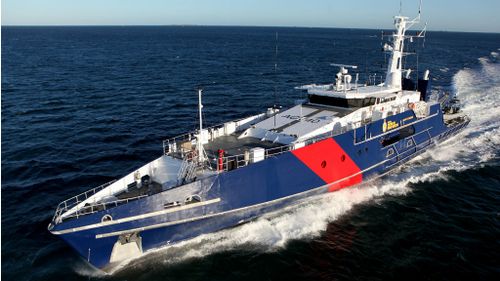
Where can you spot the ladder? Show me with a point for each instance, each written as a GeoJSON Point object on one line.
{"type": "Point", "coordinates": [191, 164]}
{"type": "Point", "coordinates": [187, 172]}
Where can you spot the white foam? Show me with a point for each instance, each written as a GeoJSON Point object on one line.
{"type": "Point", "coordinates": [273, 231]}
{"type": "Point", "coordinates": [477, 144]}
{"type": "Point", "coordinates": [444, 69]}
{"type": "Point", "coordinates": [479, 91]}
{"type": "Point", "coordinates": [88, 271]}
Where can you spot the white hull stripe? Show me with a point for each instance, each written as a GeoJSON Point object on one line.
{"type": "Point", "coordinates": [139, 217]}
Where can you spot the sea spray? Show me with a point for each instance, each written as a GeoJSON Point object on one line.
{"type": "Point", "coordinates": [478, 91]}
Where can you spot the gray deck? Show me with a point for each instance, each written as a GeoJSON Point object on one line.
{"type": "Point", "coordinates": [151, 189]}
{"type": "Point", "coordinates": [234, 146]}
{"type": "Point", "coordinates": [340, 111]}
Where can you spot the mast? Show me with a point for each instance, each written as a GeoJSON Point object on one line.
{"type": "Point", "coordinates": [394, 68]}
{"type": "Point", "coordinates": [275, 79]}
{"type": "Point", "coordinates": [199, 142]}
{"type": "Point", "coordinates": [393, 77]}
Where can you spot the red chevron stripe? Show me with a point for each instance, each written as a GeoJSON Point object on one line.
{"type": "Point", "coordinates": [330, 162]}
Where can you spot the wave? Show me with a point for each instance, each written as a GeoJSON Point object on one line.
{"type": "Point", "coordinates": [476, 145]}
{"type": "Point", "coordinates": [478, 90]}
{"type": "Point", "coordinates": [271, 231]}
{"type": "Point", "coordinates": [444, 69]}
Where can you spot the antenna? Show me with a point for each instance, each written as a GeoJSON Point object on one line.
{"type": "Point", "coordinates": [200, 136]}
{"type": "Point", "coordinates": [275, 77]}
{"type": "Point", "coordinates": [425, 31]}
{"type": "Point", "coordinates": [400, 7]}
{"type": "Point", "coordinates": [417, 73]}
{"type": "Point", "coordinates": [344, 65]}
{"type": "Point", "coordinates": [420, 9]}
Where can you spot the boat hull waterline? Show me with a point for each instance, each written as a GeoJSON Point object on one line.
{"type": "Point", "coordinates": [246, 193]}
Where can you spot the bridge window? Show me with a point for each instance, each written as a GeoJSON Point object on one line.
{"type": "Point", "coordinates": [342, 102]}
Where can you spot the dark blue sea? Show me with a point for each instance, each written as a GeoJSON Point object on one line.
{"type": "Point", "coordinates": [85, 105]}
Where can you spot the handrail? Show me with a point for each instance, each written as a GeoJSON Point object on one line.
{"type": "Point", "coordinates": [393, 130]}
{"type": "Point", "coordinates": [68, 204]}
{"type": "Point", "coordinates": [192, 134]}
{"type": "Point", "coordinates": [241, 161]}
{"type": "Point", "coordinates": [94, 208]}
{"type": "Point", "coordinates": [166, 143]}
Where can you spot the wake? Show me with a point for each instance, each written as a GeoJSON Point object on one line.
{"type": "Point", "coordinates": [478, 89]}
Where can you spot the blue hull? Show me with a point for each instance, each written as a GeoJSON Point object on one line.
{"type": "Point", "coordinates": [243, 194]}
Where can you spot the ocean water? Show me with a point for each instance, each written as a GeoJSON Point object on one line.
{"type": "Point", "coordinates": [84, 105]}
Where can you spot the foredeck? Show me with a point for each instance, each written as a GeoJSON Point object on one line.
{"type": "Point", "coordinates": [232, 145]}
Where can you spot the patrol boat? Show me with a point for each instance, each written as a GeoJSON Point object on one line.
{"type": "Point", "coordinates": [218, 177]}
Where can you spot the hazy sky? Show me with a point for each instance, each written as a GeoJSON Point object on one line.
{"type": "Point", "coordinates": [453, 15]}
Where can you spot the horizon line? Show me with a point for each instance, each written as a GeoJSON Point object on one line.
{"type": "Point", "coordinates": [226, 25]}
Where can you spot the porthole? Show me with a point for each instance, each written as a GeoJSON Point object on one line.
{"type": "Point", "coordinates": [323, 164]}
{"type": "Point", "coordinates": [390, 152]}
{"type": "Point", "coordinates": [409, 143]}
{"type": "Point", "coordinates": [342, 158]}
{"type": "Point", "coordinates": [192, 199]}
{"type": "Point", "coordinates": [106, 218]}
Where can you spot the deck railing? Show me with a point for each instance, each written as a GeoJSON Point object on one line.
{"type": "Point", "coordinates": [232, 162]}
{"type": "Point", "coordinates": [169, 145]}
{"type": "Point", "coordinates": [75, 200]}
{"type": "Point", "coordinates": [92, 208]}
